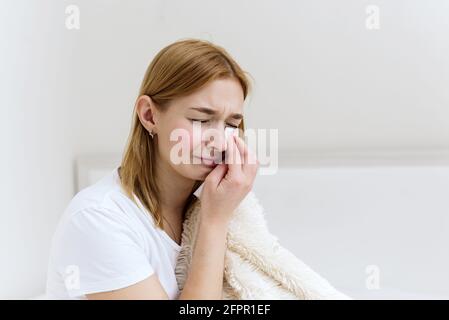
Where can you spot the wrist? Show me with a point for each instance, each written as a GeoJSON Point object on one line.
{"type": "Point", "coordinates": [214, 222]}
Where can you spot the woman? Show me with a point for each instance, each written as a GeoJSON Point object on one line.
{"type": "Point", "coordinates": [119, 238]}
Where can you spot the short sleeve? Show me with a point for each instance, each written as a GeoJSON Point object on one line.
{"type": "Point", "coordinates": [98, 251]}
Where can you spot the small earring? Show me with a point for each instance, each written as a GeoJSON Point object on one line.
{"type": "Point", "coordinates": [151, 133]}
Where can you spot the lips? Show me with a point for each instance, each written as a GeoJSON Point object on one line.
{"type": "Point", "coordinates": [207, 161]}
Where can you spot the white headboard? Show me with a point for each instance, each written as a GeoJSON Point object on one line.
{"type": "Point", "coordinates": [90, 168]}
{"type": "Point", "coordinates": [355, 218]}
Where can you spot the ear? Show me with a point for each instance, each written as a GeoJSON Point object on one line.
{"type": "Point", "coordinates": [147, 112]}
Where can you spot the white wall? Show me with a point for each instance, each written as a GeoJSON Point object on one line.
{"type": "Point", "coordinates": [37, 141]}
{"type": "Point", "coordinates": [322, 78]}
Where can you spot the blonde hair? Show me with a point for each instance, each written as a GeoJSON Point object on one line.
{"type": "Point", "coordinates": [177, 70]}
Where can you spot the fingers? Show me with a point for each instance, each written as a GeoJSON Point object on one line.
{"type": "Point", "coordinates": [233, 158]}
{"type": "Point", "coordinates": [242, 148]}
{"type": "Point", "coordinates": [250, 162]}
{"type": "Point", "coordinates": [217, 174]}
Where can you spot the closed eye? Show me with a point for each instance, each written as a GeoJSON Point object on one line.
{"type": "Point", "coordinates": [204, 121]}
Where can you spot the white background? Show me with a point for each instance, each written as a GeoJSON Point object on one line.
{"type": "Point", "coordinates": [330, 86]}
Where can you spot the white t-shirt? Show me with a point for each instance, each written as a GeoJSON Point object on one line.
{"type": "Point", "coordinates": [104, 242]}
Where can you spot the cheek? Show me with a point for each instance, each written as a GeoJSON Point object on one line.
{"type": "Point", "coordinates": [189, 141]}
{"type": "Point", "coordinates": [195, 139]}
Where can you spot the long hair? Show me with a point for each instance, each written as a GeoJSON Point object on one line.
{"type": "Point", "coordinates": [177, 70]}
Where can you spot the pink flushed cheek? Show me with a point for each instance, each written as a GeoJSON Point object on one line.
{"type": "Point", "coordinates": [195, 143]}
{"type": "Point", "coordinates": [181, 144]}
{"type": "Point", "coordinates": [187, 144]}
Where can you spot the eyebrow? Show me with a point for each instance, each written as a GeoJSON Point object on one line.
{"type": "Point", "coordinates": [236, 116]}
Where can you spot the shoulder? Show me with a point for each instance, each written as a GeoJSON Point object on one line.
{"type": "Point", "coordinates": [104, 199]}
{"type": "Point", "coordinates": [96, 234]}
{"type": "Point", "coordinates": [99, 210]}
{"type": "Point", "coordinates": [100, 215]}
{"type": "Point", "coordinates": [100, 194]}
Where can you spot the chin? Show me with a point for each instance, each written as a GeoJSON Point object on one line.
{"type": "Point", "coordinates": [195, 171]}
{"type": "Point", "coordinates": [201, 172]}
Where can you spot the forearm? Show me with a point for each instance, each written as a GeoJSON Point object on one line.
{"type": "Point", "coordinates": [205, 277]}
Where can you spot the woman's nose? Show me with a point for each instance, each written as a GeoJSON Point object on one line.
{"type": "Point", "coordinates": [217, 140]}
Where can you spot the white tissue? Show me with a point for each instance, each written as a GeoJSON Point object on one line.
{"type": "Point", "coordinates": [197, 192]}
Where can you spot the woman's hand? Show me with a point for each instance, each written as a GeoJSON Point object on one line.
{"type": "Point", "coordinates": [228, 184]}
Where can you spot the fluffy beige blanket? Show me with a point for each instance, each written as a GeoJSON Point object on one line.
{"type": "Point", "coordinates": [256, 265]}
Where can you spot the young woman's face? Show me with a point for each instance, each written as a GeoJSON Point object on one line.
{"type": "Point", "coordinates": [191, 131]}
